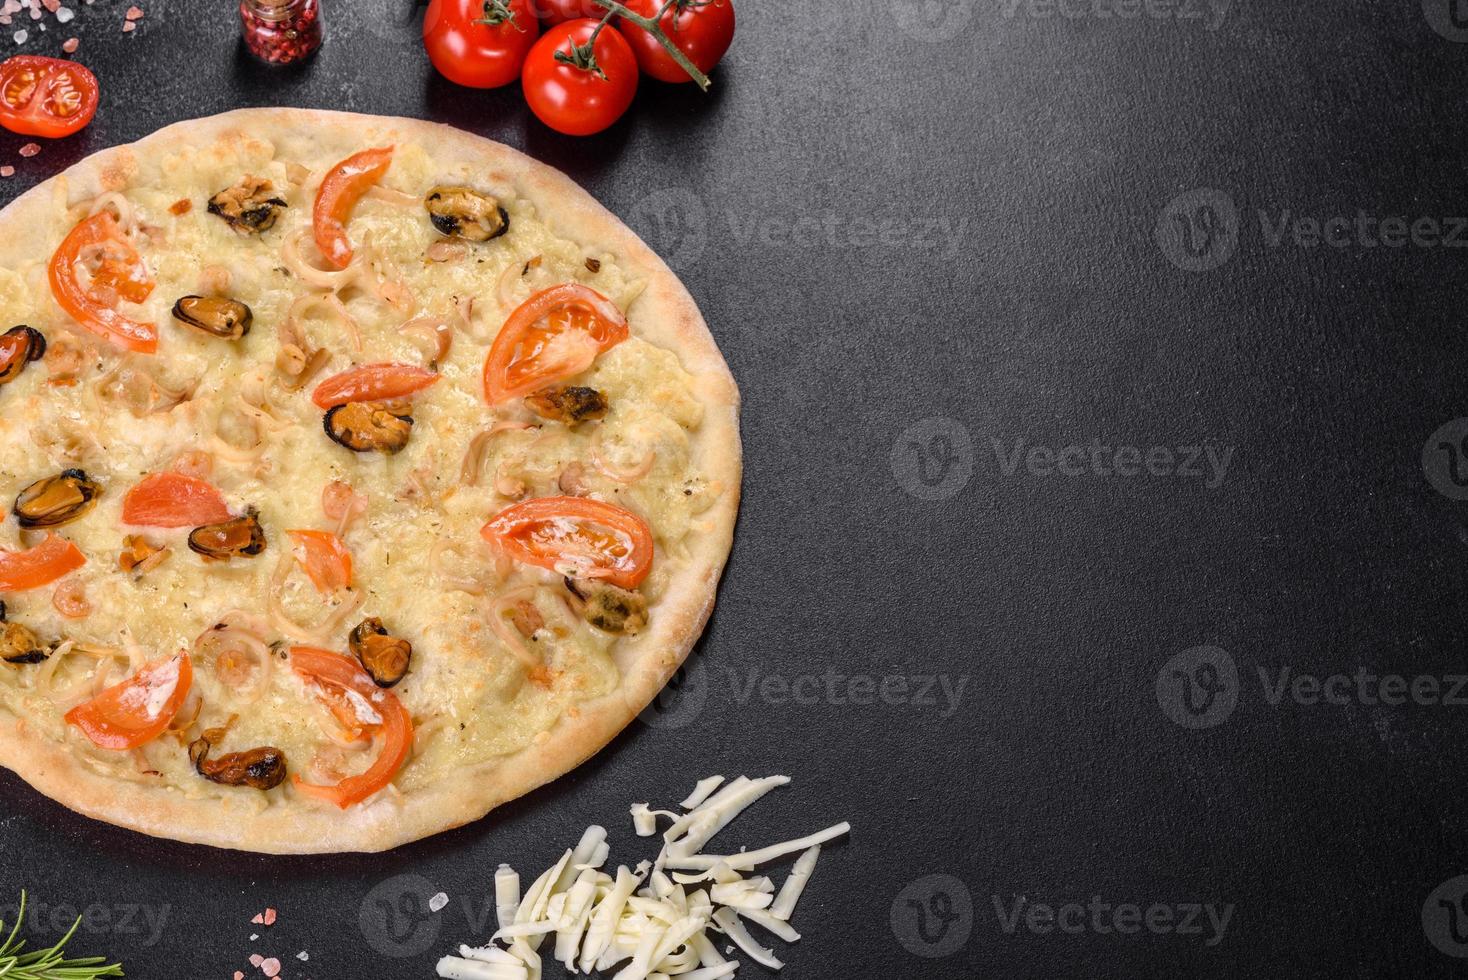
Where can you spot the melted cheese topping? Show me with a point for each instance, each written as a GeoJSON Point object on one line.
{"type": "Point", "coordinates": [420, 563]}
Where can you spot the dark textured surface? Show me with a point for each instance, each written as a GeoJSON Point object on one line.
{"type": "Point", "coordinates": [980, 209]}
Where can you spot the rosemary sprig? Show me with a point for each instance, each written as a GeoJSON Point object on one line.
{"type": "Point", "coordinates": [48, 964]}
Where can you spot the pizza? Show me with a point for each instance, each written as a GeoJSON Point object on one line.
{"type": "Point", "coordinates": [359, 475]}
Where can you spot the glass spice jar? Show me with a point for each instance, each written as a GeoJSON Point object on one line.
{"type": "Point", "coordinates": [281, 31]}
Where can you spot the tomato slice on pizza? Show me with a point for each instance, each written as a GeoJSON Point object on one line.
{"type": "Point", "coordinates": [555, 334]}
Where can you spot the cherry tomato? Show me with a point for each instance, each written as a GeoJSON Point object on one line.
{"type": "Point", "coordinates": [574, 98]}
{"type": "Point", "coordinates": [342, 677]}
{"type": "Point", "coordinates": [555, 334]}
{"type": "Point", "coordinates": [122, 270]}
{"type": "Point", "coordinates": [480, 43]}
{"type": "Point", "coordinates": [325, 558]}
{"type": "Point", "coordinates": [136, 711]}
{"type": "Point", "coordinates": [701, 29]}
{"type": "Point", "coordinates": [341, 189]}
{"type": "Point", "coordinates": [46, 96]}
{"type": "Point", "coordinates": [560, 11]}
{"type": "Point", "coordinates": [48, 561]}
{"type": "Point", "coordinates": [372, 383]}
{"type": "Point", "coordinates": [172, 499]}
{"type": "Point", "coordinates": [601, 540]}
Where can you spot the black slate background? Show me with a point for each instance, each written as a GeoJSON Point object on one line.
{"type": "Point", "coordinates": [980, 186]}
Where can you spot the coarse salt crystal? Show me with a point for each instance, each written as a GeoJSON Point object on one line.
{"type": "Point", "coordinates": [258, 919]}
{"type": "Point", "coordinates": [7, 171]}
{"type": "Point", "coordinates": [51, 5]}
{"type": "Point", "coordinates": [270, 967]}
{"type": "Point", "coordinates": [20, 37]}
{"type": "Point", "coordinates": [254, 936]}
{"type": "Point", "coordinates": [134, 13]}
{"type": "Point", "coordinates": [4, 20]}
{"type": "Point", "coordinates": [30, 149]}
{"type": "Point", "coordinates": [64, 15]}
{"type": "Point", "coordinates": [71, 44]}
{"type": "Point", "coordinates": [437, 902]}
{"type": "Point", "coordinates": [238, 975]}
{"type": "Point", "coordinates": [129, 27]}
{"type": "Point", "coordinates": [256, 959]}
{"type": "Point", "coordinates": [303, 956]}
{"type": "Point", "coordinates": [270, 917]}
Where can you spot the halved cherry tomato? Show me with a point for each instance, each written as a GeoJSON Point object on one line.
{"type": "Point", "coordinates": [46, 96]}
{"type": "Point", "coordinates": [325, 558]}
{"type": "Point", "coordinates": [48, 561]}
{"type": "Point", "coordinates": [122, 270]}
{"type": "Point", "coordinates": [701, 29]}
{"type": "Point", "coordinates": [136, 711]}
{"type": "Point", "coordinates": [372, 383]}
{"type": "Point", "coordinates": [339, 675]}
{"type": "Point", "coordinates": [341, 189]}
{"type": "Point", "coordinates": [554, 334]}
{"type": "Point", "coordinates": [479, 43]}
{"type": "Point", "coordinates": [573, 97]}
{"type": "Point", "coordinates": [601, 539]}
{"type": "Point", "coordinates": [171, 499]}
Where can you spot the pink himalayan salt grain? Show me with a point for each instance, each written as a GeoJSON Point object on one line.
{"type": "Point", "coordinates": [270, 967]}
{"type": "Point", "coordinates": [70, 45]}
{"type": "Point", "coordinates": [7, 171]}
{"type": "Point", "coordinates": [134, 13]}
{"type": "Point", "coordinates": [238, 975]}
{"type": "Point", "coordinates": [51, 5]}
{"type": "Point", "coordinates": [256, 959]}
{"type": "Point", "coordinates": [258, 919]}
{"type": "Point", "coordinates": [30, 149]}
{"type": "Point", "coordinates": [129, 27]}
{"type": "Point", "coordinates": [270, 917]}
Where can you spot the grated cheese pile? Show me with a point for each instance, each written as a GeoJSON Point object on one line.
{"type": "Point", "coordinates": [657, 917]}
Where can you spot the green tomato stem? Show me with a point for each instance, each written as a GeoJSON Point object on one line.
{"type": "Point", "coordinates": [651, 25]}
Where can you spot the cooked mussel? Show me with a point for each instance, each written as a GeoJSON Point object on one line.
{"type": "Point", "coordinates": [56, 500]}
{"type": "Point", "coordinates": [368, 427]}
{"type": "Point", "coordinates": [569, 405]}
{"type": "Point", "coordinates": [242, 537]}
{"type": "Point", "coordinates": [384, 656]}
{"type": "Point", "coordinates": [250, 206]}
{"type": "Point", "coordinates": [461, 212]}
{"type": "Point", "coordinates": [609, 608]}
{"type": "Point", "coordinates": [262, 768]}
{"type": "Point", "coordinates": [18, 347]}
{"type": "Point", "coordinates": [19, 645]}
{"type": "Point", "coordinates": [214, 315]}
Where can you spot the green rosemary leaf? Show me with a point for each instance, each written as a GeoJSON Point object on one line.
{"type": "Point", "coordinates": [48, 964]}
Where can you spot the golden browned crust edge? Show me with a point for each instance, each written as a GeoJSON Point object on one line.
{"type": "Point", "coordinates": [666, 315]}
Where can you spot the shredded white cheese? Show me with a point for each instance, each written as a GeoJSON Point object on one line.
{"type": "Point", "coordinates": [652, 924]}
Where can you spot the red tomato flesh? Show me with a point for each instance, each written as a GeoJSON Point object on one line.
{"type": "Point", "coordinates": [136, 711]}
{"type": "Point", "coordinates": [325, 559]}
{"type": "Point", "coordinates": [555, 334]}
{"type": "Point", "coordinates": [338, 675]}
{"type": "Point", "coordinates": [600, 539]}
{"type": "Point", "coordinates": [53, 558]}
{"type": "Point", "coordinates": [122, 270]}
{"type": "Point", "coordinates": [172, 499]}
{"type": "Point", "coordinates": [372, 383]}
{"type": "Point", "coordinates": [46, 96]}
{"type": "Point", "coordinates": [341, 189]}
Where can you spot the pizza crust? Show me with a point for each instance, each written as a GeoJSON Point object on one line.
{"type": "Point", "coordinates": [664, 314]}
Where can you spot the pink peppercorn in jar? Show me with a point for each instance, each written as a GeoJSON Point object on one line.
{"type": "Point", "coordinates": [281, 31]}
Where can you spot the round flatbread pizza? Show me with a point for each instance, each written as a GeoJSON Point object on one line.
{"type": "Point", "coordinates": [358, 475]}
